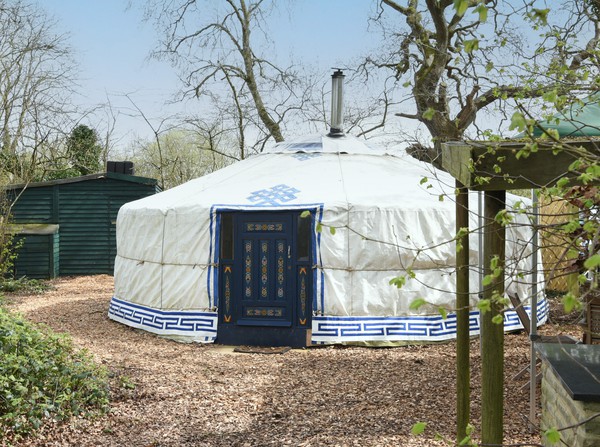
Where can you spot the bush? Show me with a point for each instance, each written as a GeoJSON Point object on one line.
{"type": "Point", "coordinates": [43, 377]}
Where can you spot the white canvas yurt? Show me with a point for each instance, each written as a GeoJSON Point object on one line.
{"type": "Point", "coordinates": [297, 245]}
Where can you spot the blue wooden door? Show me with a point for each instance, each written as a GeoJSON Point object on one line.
{"type": "Point", "coordinates": [265, 278]}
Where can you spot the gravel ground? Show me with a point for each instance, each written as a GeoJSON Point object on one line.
{"type": "Point", "coordinates": [171, 394]}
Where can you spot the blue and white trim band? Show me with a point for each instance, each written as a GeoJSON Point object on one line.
{"type": "Point", "coordinates": [431, 328]}
{"type": "Point", "coordinates": [202, 326]}
{"type": "Point", "coordinates": [199, 326]}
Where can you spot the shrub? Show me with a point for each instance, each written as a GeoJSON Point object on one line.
{"type": "Point", "coordinates": [43, 377]}
{"type": "Point", "coordinates": [23, 285]}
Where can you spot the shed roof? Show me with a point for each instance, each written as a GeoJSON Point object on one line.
{"type": "Point", "coordinates": [84, 178]}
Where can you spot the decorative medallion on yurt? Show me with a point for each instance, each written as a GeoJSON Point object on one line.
{"type": "Point", "coordinates": [298, 245]}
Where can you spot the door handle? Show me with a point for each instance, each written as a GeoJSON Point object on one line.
{"type": "Point", "coordinates": [289, 251]}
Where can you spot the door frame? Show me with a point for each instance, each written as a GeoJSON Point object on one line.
{"type": "Point", "coordinates": [301, 282]}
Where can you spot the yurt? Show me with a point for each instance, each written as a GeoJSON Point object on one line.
{"type": "Point", "coordinates": [298, 245]}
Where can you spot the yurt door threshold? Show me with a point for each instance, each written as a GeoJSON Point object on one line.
{"type": "Point", "coordinates": [265, 279]}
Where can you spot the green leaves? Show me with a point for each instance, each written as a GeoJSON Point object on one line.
{"type": "Point", "coordinates": [482, 10]}
{"type": "Point", "coordinates": [462, 232]}
{"type": "Point", "coordinates": [498, 319]}
{"type": "Point", "coordinates": [428, 114]}
{"type": "Point", "coordinates": [539, 16]}
{"type": "Point", "coordinates": [443, 312]}
{"type": "Point", "coordinates": [552, 435]}
{"type": "Point", "coordinates": [417, 303]}
{"type": "Point", "coordinates": [484, 306]}
{"type": "Point", "coordinates": [398, 281]}
{"type": "Point", "coordinates": [471, 45]}
{"type": "Point", "coordinates": [592, 262]}
{"type": "Point", "coordinates": [570, 303]}
{"type": "Point", "coordinates": [504, 217]}
{"type": "Point", "coordinates": [418, 428]}
{"type": "Point", "coordinates": [461, 6]}
{"type": "Point", "coordinates": [42, 376]}
{"type": "Point", "coordinates": [517, 122]}
{"type": "Point", "coordinates": [563, 182]}
{"type": "Point", "coordinates": [550, 96]}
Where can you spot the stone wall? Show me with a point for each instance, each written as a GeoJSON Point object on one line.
{"type": "Point", "coordinates": [559, 410]}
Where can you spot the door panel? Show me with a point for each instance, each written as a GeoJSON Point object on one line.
{"type": "Point", "coordinates": [267, 298]}
{"type": "Point", "coordinates": [265, 279]}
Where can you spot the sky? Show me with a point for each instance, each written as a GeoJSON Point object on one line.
{"type": "Point", "coordinates": [112, 43]}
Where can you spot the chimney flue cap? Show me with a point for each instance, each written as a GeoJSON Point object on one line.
{"type": "Point", "coordinates": [337, 103]}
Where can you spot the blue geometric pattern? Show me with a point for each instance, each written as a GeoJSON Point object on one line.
{"type": "Point", "coordinates": [274, 196]}
{"type": "Point", "coordinates": [303, 156]}
{"type": "Point", "coordinates": [409, 328]}
{"type": "Point", "coordinates": [202, 326]}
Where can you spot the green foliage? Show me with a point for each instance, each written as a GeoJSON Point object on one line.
{"type": "Point", "coordinates": [482, 10]}
{"type": "Point", "coordinates": [462, 233]}
{"type": "Point", "coordinates": [83, 150]}
{"type": "Point", "coordinates": [127, 383]}
{"type": "Point", "coordinates": [9, 248]}
{"type": "Point", "coordinates": [417, 304]}
{"type": "Point", "coordinates": [398, 281]}
{"type": "Point", "coordinates": [539, 16]}
{"type": "Point", "coordinates": [418, 428]}
{"type": "Point", "coordinates": [461, 6]}
{"type": "Point", "coordinates": [443, 312]}
{"type": "Point", "coordinates": [504, 217]}
{"type": "Point", "coordinates": [23, 285]}
{"type": "Point", "coordinates": [496, 271]}
{"type": "Point", "coordinates": [571, 303]}
{"type": "Point", "coordinates": [43, 377]}
{"type": "Point", "coordinates": [9, 245]}
{"type": "Point", "coordinates": [471, 45]}
{"type": "Point", "coordinates": [593, 262]}
{"type": "Point", "coordinates": [552, 435]}
{"type": "Point", "coordinates": [467, 439]}
{"type": "Point", "coordinates": [518, 122]}
{"type": "Point", "coordinates": [428, 114]}
{"type": "Point", "coordinates": [484, 306]}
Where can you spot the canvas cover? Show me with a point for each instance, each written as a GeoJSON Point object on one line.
{"type": "Point", "coordinates": [391, 215]}
{"type": "Point", "coordinates": [581, 119]}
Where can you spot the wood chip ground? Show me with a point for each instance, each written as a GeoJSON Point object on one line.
{"type": "Point", "coordinates": [166, 393]}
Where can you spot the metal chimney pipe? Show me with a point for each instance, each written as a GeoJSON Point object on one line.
{"type": "Point", "coordinates": [337, 104]}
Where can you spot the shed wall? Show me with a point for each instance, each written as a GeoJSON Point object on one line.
{"type": "Point", "coordinates": [38, 256]}
{"type": "Point", "coordinates": [86, 212]}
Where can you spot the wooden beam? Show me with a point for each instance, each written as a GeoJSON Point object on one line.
{"type": "Point", "coordinates": [492, 334]}
{"type": "Point", "coordinates": [494, 166]}
{"type": "Point", "coordinates": [463, 368]}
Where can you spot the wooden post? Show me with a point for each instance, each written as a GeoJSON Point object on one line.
{"type": "Point", "coordinates": [492, 334]}
{"type": "Point", "coordinates": [463, 374]}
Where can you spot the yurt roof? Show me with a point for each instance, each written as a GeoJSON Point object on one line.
{"type": "Point", "coordinates": [311, 170]}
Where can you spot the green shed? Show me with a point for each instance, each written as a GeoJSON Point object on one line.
{"type": "Point", "coordinates": [78, 235]}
